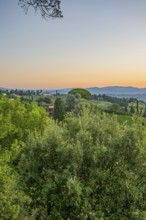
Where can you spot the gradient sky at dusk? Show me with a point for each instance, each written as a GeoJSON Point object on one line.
{"type": "Point", "coordinates": [97, 43]}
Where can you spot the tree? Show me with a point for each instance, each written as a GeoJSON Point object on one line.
{"type": "Point", "coordinates": [71, 103]}
{"type": "Point", "coordinates": [47, 8]}
{"type": "Point", "coordinates": [137, 107]}
{"type": "Point", "coordinates": [132, 109]}
{"type": "Point", "coordinates": [115, 108]}
{"type": "Point", "coordinates": [86, 168]}
{"type": "Point", "coordinates": [83, 92]}
{"type": "Point", "coordinates": [17, 121]}
{"type": "Point", "coordinates": [144, 114]}
{"type": "Point", "coordinates": [59, 109]}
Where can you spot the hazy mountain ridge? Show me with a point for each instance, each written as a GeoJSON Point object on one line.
{"type": "Point", "coordinates": [108, 90]}
{"type": "Point", "coordinates": [117, 91]}
{"type": "Point", "coordinates": [2, 88]}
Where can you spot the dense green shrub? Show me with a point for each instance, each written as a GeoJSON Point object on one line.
{"type": "Point", "coordinates": [91, 167]}
{"type": "Point", "coordinates": [17, 122]}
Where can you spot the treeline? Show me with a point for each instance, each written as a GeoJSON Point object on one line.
{"type": "Point", "coordinates": [127, 106]}
{"type": "Point", "coordinates": [123, 102]}
{"type": "Point", "coordinates": [21, 92]}
{"type": "Point", "coordinates": [88, 166]}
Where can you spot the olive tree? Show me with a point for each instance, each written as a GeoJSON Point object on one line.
{"type": "Point", "coordinates": [88, 167]}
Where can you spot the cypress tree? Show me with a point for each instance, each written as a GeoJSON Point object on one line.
{"type": "Point", "coordinates": [59, 109]}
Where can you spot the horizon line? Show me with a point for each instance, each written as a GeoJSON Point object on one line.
{"type": "Point", "coordinates": [60, 88]}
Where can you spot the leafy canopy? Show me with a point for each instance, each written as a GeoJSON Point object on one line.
{"type": "Point", "coordinates": [83, 92]}
{"type": "Point", "coordinates": [17, 121]}
{"type": "Point", "coordinates": [47, 8]}
{"type": "Point", "coordinates": [90, 167]}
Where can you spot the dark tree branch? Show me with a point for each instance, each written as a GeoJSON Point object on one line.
{"type": "Point", "coordinates": [47, 8]}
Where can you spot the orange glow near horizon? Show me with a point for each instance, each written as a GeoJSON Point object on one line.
{"type": "Point", "coordinates": [71, 73]}
{"type": "Point", "coordinates": [82, 80]}
{"type": "Point", "coordinates": [72, 76]}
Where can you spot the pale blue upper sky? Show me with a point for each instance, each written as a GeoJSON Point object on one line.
{"type": "Point", "coordinates": [97, 43]}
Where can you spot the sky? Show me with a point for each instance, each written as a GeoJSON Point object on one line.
{"type": "Point", "coordinates": [97, 43]}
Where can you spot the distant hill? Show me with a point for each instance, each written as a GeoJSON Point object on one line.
{"type": "Point", "coordinates": [117, 91]}
{"type": "Point", "coordinates": [107, 90]}
{"type": "Point", "coordinates": [1, 88]}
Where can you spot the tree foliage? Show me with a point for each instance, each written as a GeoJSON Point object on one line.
{"type": "Point", "coordinates": [72, 103]}
{"type": "Point", "coordinates": [17, 121]}
{"type": "Point", "coordinates": [123, 102]}
{"type": "Point", "coordinates": [83, 92]}
{"type": "Point", "coordinates": [47, 8]}
{"type": "Point", "coordinates": [88, 168]}
{"type": "Point", "coordinates": [59, 109]}
{"type": "Point", "coordinates": [115, 108]}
